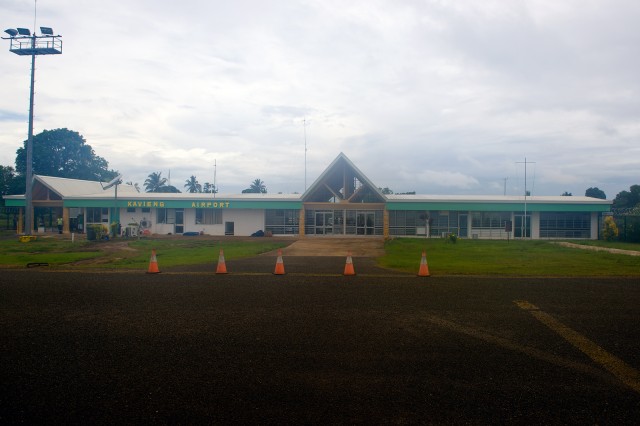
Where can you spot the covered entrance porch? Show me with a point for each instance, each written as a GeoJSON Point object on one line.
{"type": "Point", "coordinates": [343, 201]}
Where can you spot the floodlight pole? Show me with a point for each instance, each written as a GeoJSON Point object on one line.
{"type": "Point", "coordinates": [51, 46]}
{"type": "Point", "coordinates": [28, 195]}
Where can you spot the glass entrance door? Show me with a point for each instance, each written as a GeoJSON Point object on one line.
{"type": "Point", "coordinates": [324, 222]}
{"type": "Point", "coordinates": [463, 226]}
{"type": "Point", "coordinates": [179, 221]}
{"type": "Point", "coordinates": [365, 223]}
{"type": "Point", "coordinates": [521, 227]}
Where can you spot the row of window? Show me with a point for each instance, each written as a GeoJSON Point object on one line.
{"type": "Point", "coordinates": [344, 222]}
{"type": "Point", "coordinates": [282, 222]}
{"type": "Point", "coordinates": [165, 216]}
{"type": "Point", "coordinates": [401, 222]}
{"type": "Point", "coordinates": [565, 225]}
{"type": "Point", "coordinates": [414, 222]}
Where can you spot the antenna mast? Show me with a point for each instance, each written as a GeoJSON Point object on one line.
{"type": "Point", "coordinates": [304, 124]}
{"type": "Point", "coordinates": [523, 225]}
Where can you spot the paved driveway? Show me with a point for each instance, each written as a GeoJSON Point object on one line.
{"type": "Point", "coordinates": [194, 347]}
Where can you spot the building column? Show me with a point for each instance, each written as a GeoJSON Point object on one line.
{"type": "Point", "coordinates": [535, 225]}
{"type": "Point", "coordinates": [20, 227]}
{"type": "Point", "coordinates": [385, 223]}
{"type": "Point", "coordinates": [594, 226]}
{"type": "Point", "coordinates": [65, 220]}
{"type": "Point", "coordinates": [301, 223]}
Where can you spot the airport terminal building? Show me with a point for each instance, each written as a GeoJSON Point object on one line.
{"type": "Point", "coordinates": [341, 202]}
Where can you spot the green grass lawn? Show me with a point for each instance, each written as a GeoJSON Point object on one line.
{"type": "Point", "coordinates": [196, 252]}
{"type": "Point", "coordinates": [128, 254]}
{"type": "Point", "coordinates": [515, 258]}
{"type": "Point", "coordinates": [466, 257]}
{"type": "Point", "coordinates": [44, 250]}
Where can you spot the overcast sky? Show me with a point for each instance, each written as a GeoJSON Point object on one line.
{"type": "Point", "coordinates": [433, 96]}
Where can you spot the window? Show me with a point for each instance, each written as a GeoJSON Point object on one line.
{"type": "Point", "coordinates": [443, 223]}
{"type": "Point", "coordinates": [97, 215]}
{"type": "Point", "coordinates": [490, 220]}
{"type": "Point", "coordinates": [208, 217]}
{"type": "Point", "coordinates": [165, 216]}
{"type": "Point", "coordinates": [282, 221]}
{"type": "Point", "coordinates": [406, 222]}
{"type": "Point", "coordinates": [565, 225]}
{"type": "Point", "coordinates": [131, 209]}
{"type": "Point", "coordinates": [146, 210]}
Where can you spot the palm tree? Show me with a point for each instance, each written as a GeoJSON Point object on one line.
{"type": "Point", "coordinates": [155, 182]}
{"type": "Point", "coordinates": [256, 187]}
{"type": "Point", "coordinates": [209, 188]}
{"type": "Point", "coordinates": [192, 185]}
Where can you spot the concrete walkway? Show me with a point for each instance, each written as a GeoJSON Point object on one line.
{"type": "Point", "coordinates": [336, 246]}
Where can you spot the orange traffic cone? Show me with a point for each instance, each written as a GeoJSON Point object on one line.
{"type": "Point", "coordinates": [424, 268]}
{"type": "Point", "coordinates": [153, 264]}
{"type": "Point", "coordinates": [222, 267]}
{"type": "Point", "coordinates": [279, 265]}
{"type": "Point", "coordinates": [348, 267]}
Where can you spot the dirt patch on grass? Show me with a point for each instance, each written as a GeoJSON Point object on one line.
{"type": "Point", "coordinates": [333, 246]}
{"type": "Point", "coordinates": [596, 248]}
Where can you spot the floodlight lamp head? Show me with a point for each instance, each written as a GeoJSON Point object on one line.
{"type": "Point", "coordinates": [11, 32]}
{"type": "Point", "coordinates": [24, 31]}
{"type": "Point", "coordinates": [46, 30]}
{"type": "Point", "coordinates": [115, 181]}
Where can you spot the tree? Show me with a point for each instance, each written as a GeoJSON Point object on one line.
{"type": "Point", "coordinates": [63, 153]}
{"type": "Point", "coordinates": [168, 188]}
{"type": "Point", "coordinates": [257, 187]}
{"type": "Point", "coordinates": [192, 185]}
{"type": "Point", "coordinates": [209, 188]}
{"type": "Point", "coordinates": [155, 182]}
{"type": "Point", "coordinates": [567, 194]}
{"type": "Point", "coordinates": [595, 193]}
{"type": "Point", "coordinates": [628, 199]}
{"type": "Point", "coordinates": [386, 191]}
{"type": "Point", "coordinates": [9, 182]}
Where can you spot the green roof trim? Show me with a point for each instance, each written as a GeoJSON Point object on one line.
{"type": "Point", "coordinates": [498, 207]}
{"type": "Point", "coordinates": [15, 203]}
{"type": "Point", "coordinates": [186, 204]}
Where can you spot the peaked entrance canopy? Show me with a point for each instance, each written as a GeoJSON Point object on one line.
{"type": "Point", "coordinates": [342, 182]}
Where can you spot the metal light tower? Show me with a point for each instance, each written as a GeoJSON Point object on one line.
{"type": "Point", "coordinates": [24, 43]}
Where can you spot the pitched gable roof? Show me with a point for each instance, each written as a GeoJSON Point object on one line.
{"type": "Point", "coordinates": [64, 187]}
{"type": "Point", "coordinates": [343, 182]}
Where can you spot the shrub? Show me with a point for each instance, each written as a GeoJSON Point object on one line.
{"type": "Point", "coordinates": [609, 229]}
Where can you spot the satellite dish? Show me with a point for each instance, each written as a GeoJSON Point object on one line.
{"type": "Point", "coordinates": [115, 181]}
